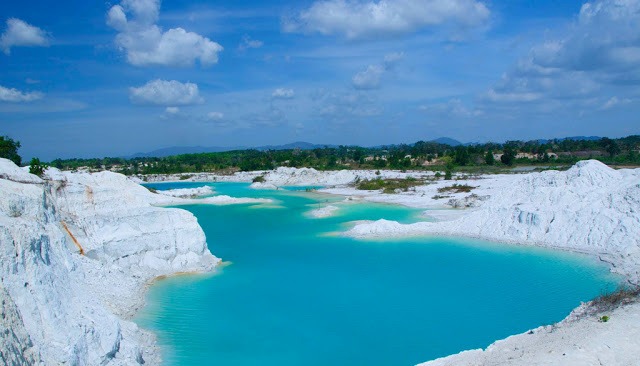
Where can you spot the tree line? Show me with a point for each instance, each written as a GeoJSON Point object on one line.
{"type": "Point", "coordinates": [420, 155]}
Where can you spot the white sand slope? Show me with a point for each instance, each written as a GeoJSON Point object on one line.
{"type": "Point", "coordinates": [590, 208]}
{"type": "Point", "coordinates": [325, 211]}
{"type": "Point", "coordinates": [76, 252]}
{"type": "Point", "coordinates": [62, 307]}
{"type": "Point", "coordinates": [187, 192]}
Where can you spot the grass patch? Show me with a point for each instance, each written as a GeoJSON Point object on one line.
{"type": "Point", "coordinates": [615, 299]}
{"type": "Point", "coordinates": [388, 185]}
{"type": "Point", "coordinates": [456, 188]}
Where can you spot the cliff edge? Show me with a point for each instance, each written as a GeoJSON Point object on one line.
{"type": "Point", "coordinates": [76, 252]}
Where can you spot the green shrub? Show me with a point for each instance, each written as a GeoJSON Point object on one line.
{"type": "Point", "coordinates": [37, 167]}
{"type": "Point", "coordinates": [259, 179]}
{"type": "Point", "coordinates": [388, 185]}
{"type": "Point", "coordinates": [456, 188]}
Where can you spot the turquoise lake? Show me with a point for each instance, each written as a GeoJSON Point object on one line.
{"type": "Point", "coordinates": [297, 294]}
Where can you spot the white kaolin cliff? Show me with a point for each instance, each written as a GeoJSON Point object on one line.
{"type": "Point", "coordinates": [76, 251]}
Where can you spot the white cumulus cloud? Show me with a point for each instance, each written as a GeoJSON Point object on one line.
{"type": "Point", "coordinates": [16, 96]}
{"type": "Point", "coordinates": [599, 54]}
{"type": "Point", "coordinates": [20, 33]}
{"type": "Point", "coordinates": [166, 93]}
{"type": "Point", "coordinates": [145, 43]}
{"type": "Point", "coordinates": [355, 19]}
{"type": "Point", "coordinates": [247, 43]}
{"type": "Point", "coordinates": [369, 78]}
{"type": "Point", "coordinates": [282, 93]}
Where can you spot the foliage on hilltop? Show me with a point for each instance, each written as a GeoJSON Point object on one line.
{"type": "Point", "coordinates": [9, 149]}
{"type": "Point", "coordinates": [486, 157]}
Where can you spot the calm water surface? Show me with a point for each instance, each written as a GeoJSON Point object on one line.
{"type": "Point", "coordinates": [297, 295]}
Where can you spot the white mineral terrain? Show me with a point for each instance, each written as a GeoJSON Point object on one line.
{"type": "Point", "coordinates": [76, 252]}
{"type": "Point", "coordinates": [60, 306]}
{"type": "Point", "coordinates": [285, 176]}
{"type": "Point", "coordinates": [325, 211]}
{"type": "Point", "coordinates": [188, 192]}
{"type": "Point", "coordinates": [589, 208]}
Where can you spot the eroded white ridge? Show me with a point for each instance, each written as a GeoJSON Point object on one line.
{"type": "Point", "coordinates": [76, 252]}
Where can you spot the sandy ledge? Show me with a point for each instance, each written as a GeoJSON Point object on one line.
{"type": "Point", "coordinates": [62, 307]}
{"type": "Point", "coordinates": [77, 253]}
{"type": "Point", "coordinates": [590, 209]}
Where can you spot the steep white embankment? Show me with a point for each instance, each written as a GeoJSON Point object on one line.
{"type": "Point", "coordinates": [62, 307]}
{"type": "Point", "coordinates": [590, 208]}
{"type": "Point", "coordinates": [284, 176]}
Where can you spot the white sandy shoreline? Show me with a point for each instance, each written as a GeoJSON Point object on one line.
{"type": "Point", "coordinates": [574, 327]}
{"type": "Point", "coordinates": [590, 209]}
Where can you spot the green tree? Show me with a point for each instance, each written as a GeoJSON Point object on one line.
{"type": "Point", "coordinates": [508, 155]}
{"type": "Point", "coordinates": [488, 158]}
{"type": "Point", "coordinates": [36, 167]}
{"type": "Point", "coordinates": [461, 156]}
{"type": "Point", "coordinates": [611, 146]}
{"type": "Point", "coordinates": [9, 149]}
{"type": "Point", "coordinates": [448, 167]}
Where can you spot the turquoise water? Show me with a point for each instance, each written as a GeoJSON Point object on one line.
{"type": "Point", "coordinates": [296, 295]}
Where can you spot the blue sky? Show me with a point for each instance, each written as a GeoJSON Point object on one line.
{"type": "Point", "coordinates": [93, 79]}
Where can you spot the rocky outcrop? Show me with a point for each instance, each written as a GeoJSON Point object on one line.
{"type": "Point", "coordinates": [76, 251]}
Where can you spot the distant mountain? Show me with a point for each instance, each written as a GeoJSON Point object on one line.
{"type": "Point", "coordinates": [179, 150]}
{"type": "Point", "coordinates": [447, 141]}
